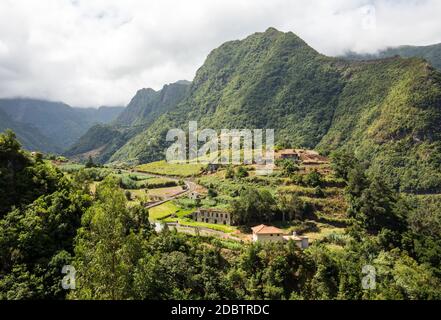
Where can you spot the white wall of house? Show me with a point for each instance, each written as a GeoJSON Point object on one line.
{"type": "Point", "coordinates": [305, 243]}
{"type": "Point", "coordinates": [215, 217]}
{"type": "Point", "coordinates": [267, 237]}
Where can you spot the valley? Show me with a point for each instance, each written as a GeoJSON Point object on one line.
{"type": "Point", "coordinates": [173, 192]}
{"type": "Point", "coordinates": [355, 183]}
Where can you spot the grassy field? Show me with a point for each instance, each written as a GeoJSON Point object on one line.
{"type": "Point", "coordinates": [171, 169]}
{"type": "Point", "coordinates": [160, 183]}
{"type": "Point", "coordinates": [325, 230]}
{"type": "Point", "coordinates": [163, 210]}
{"type": "Point", "coordinates": [70, 167]}
{"type": "Point", "coordinates": [164, 192]}
{"type": "Point", "coordinates": [192, 223]}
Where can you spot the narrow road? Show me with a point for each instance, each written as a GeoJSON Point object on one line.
{"type": "Point", "coordinates": [191, 186]}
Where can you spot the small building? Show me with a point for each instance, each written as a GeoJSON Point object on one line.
{"type": "Point", "coordinates": [289, 154]}
{"type": "Point", "coordinates": [264, 233]}
{"type": "Point", "coordinates": [301, 241]}
{"type": "Point", "coordinates": [209, 215]}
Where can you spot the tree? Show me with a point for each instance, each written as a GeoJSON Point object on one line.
{"type": "Point", "coordinates": [313, 179]}
{"type": "Point", "coordinates": [90, 163]}
{"type": "Point", "coordinates": [291, 205]}
{"type": "Point", "coordinates": [357, 183]}
{"type": "Point", "coordinates": [342, 162]}
{"type": "Point", "coordinates": [241, 172]}
{"type": "Point", "coordinates": [288, 167]}
{"type": "Point", "coordinates": [108, 245]}
{"type": "Point", "coordinates": [253, 205]}
{"type": "Point", "coordinates": [378, 209]}
{"type": "Point", "coordinates": [229, 174]}
{"type": "Point", "coordinates": [37, 240]}
{"type": "Point", "coordinates": [212, 193]}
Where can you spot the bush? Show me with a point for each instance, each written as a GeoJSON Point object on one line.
{"type": "Point", "coordinates": [313, 179]}
{"type": "Point", "coordinates": [242, 172]}
{"type": "Point", "coordinates": [229, 174]}
{"type": "Point", "coordinates": [318, 192]}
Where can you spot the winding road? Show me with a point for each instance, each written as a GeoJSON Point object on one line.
{"type": "Point", "coordinates": [191, 186]}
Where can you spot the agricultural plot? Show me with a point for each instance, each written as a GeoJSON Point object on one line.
{"type": "Point", "coordinates": [171, 169]}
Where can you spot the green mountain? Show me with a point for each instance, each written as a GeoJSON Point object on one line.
{"type": "Point", "coordinates": [102, 141]}
{"type": "Point", "coordinates": [30, 137]}
{"type": "Point", "coordinates": [59, 124]}
{"type": "Point", "coordinates": [431, 53]}
{"type": "Point", "coordinates": [148, 104]}
{"type": "Point", "coordinates": [387, 111]}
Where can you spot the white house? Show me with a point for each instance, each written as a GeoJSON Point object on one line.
{"type": "Point", "coordinates": [301, 241]}
{"type": "Point", "coordinates": [264, 233]}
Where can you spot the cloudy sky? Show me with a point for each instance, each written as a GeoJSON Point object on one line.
{"type": "Point", "coordinates": [100, 52]}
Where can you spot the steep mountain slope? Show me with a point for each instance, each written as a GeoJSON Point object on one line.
{"type": "Point", "coordinates": [388, 111]}
{"type": "Point", "coordinates": [264, 81]}
{"type": "Point", "coordinates": [145, 107]}
{"type": "Point", "coordinates": [30, 137]}
{"type": "Point", "coordinates": [103, 114]}
{"type": "Point", "coordinates": [148, 104]}
{"type": "Point", "coordinates": [431, 53]}
{"type": "Point", "coordinates": [61, 124]}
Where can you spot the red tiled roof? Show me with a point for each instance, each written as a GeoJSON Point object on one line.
{"type": "Point", "coordinates": [264, 229]}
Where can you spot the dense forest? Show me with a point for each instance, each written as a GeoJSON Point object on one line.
{"type": "Point", "coordinates": [49, 219]}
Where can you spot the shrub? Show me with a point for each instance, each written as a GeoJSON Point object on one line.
{"type": "Point", "coordinates": [242, 172]}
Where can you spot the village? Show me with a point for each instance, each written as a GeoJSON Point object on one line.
{"type": "Point", "coordinates": [207, 218]}
{"type": "Point", "coordinates": [196, 199]}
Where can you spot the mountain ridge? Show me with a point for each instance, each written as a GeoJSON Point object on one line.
{"type": "Point", "coordinates": [57, 122]}
{"type": "Point", "coordinates": [385, 111]}
{"type": "Point", "coordinates": [431, 53]}
{"type": "Point", "coordinates": [144, 108]}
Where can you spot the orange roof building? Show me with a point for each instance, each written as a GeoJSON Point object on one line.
{"type": "Point", "coordinates": [264, 229]}
{"type": "Point", "coordinates": [264, 233]}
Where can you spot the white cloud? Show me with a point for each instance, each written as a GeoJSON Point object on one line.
{"type": "Point", "coordinates": [94, 52]}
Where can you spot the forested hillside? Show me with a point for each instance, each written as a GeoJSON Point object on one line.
{"type": "Point", "coordinates": [145, 107]}
{"type": "Point", "coordinates": [60, 124]}
{"type": "Point", "coordinates": [387, 111]}
{"type": "Point", "coordinates": [30, 137]}
{"type": "Point", "coordinates": [49, 219]}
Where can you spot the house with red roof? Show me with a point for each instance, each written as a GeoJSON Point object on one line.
{"type": "Point", "coordinates": [264, 233]}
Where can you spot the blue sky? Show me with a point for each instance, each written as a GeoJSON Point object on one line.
{"type": "Point", "coordinates": [100, 52]}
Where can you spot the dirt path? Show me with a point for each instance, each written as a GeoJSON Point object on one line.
{"type": "Point", "coordinates": [191, 186]}
{"type": "Point", "coordinates": [202, 231]}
